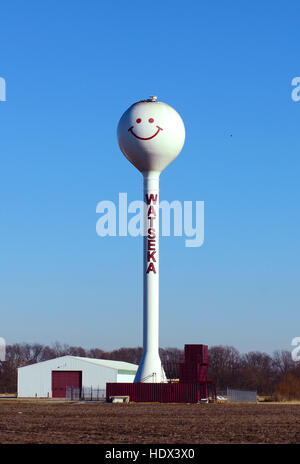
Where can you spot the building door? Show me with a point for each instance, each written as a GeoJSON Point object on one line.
{"type": "Point", "coordinates": [63, 379]}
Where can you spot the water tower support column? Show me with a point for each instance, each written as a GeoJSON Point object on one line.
{"type": "Point", "coordinates": [150, 368]}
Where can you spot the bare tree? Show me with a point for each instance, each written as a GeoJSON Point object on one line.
{"type": "Point", "coordinates": [258, 372]}
{"type": "Point", "coordinates": [224, 366]}
{"type": "Point", "coordinates": [171, 358]}
{"type": "Point", "coordinates": [283, 361]}
{"type": "Point", "coordinates": [253, 370]}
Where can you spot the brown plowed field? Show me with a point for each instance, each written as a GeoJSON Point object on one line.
{"type": "Point", "coordinates": [54, 422]}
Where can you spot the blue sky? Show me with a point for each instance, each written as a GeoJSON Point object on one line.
{"type": "Point", "coordinates": [71, 69]}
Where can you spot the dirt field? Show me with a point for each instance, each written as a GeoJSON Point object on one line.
{"type": "Point", "coordinates": [44, 422]}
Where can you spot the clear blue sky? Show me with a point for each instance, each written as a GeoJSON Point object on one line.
{"type": "Point", "coordinates": [71, 69]}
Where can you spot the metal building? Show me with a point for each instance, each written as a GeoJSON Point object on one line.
{"type": "Point", "coordinates": [51, 378]}
{"type": "Point", "coordinates": [193, 385]}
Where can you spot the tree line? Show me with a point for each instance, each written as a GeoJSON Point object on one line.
{"type": "Point", "coordinates": [276, 375]}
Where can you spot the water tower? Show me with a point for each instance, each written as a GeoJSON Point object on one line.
{"type": "Point", "coordinates": [151, 135]}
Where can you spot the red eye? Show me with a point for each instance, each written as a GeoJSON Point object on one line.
{"type": "Point", "coordinates": [138, 120]}
{"type": "Point", "coordinates": [151, 120]}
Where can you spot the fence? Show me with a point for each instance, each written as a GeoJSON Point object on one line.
{"type": "Point", "coordinates": [85, 393]}
{"type": "Point", "coordinates": [73, 394]}
{"type": "Point", "coordinates": [93, 394]}
{"type": "Point", "coordinates": [241, 396]}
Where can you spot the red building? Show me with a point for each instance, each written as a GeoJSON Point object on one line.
{"type": "Point", "coordinates": [193, 385]}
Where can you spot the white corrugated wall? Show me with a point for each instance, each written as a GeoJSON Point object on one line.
{"type": "Point", "coordinates": [36, 380]}
{"type": "Point", "coordinates": [124, 378]}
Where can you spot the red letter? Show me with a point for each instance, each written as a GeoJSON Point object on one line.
{"type": "Point", "coordinates": [151, 267]}
{"type": "Point", "coordinates": [151, 245]}
{"type": "Point", "coordinates": [151, 233]}
{"type": "Point", "coordinates": [151, 199]}
{"type": "Point", "coordinates": [151, 210]}
{"type": "Point", "coordinates": [151, 256]}
{"type": "Point", "coordinates": [151, 221]}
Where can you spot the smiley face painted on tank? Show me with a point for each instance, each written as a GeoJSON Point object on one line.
{"type": "Point", "coordinates": [134, 130]}
{"type": "Point", "coordinates": [150, 134]}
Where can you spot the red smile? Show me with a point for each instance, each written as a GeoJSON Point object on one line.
{"type": "Point", "coordinates": [145, 138]}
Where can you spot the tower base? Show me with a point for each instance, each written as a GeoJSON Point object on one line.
{"type": "Point", "coordinates": [163, 392]}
